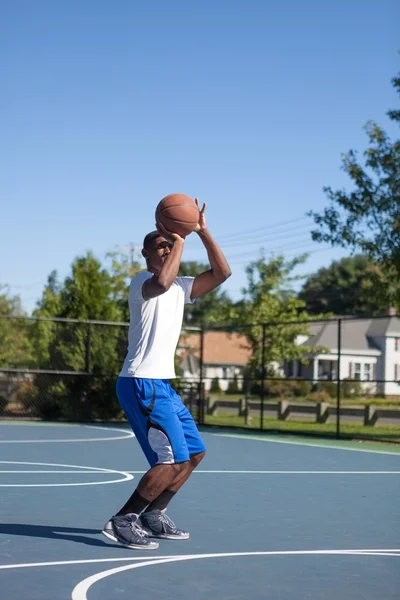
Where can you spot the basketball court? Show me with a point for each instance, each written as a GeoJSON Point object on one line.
{"type": "Point", "coordinates": [269, 517]}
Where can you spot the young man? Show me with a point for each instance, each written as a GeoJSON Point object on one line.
{"type": "Point", "coordinates": [162, 424]}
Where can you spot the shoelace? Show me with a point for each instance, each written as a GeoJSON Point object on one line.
{"type": "Point", "coordinates": [164, 518]}
{"type": "Point", "coordinates": [137, 529]}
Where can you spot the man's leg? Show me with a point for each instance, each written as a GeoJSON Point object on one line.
{"type": "Point", "coordinates": [158, 430]}
{"type": "Point", "coordinates": [156, 510]}
{"type": "Point", "coordinates": [152, 486]}
{"type": "Point", "coordinates": [163, 499]}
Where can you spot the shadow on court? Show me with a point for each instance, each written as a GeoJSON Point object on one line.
{"type": "Point", "coordinates": [71, 534]}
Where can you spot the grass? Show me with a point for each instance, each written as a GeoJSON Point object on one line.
{"type": "Point", "coordinates": [383, 432]}
{"type": "Point", "coordinates": [361, 401]}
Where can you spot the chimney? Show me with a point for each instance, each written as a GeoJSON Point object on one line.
{"type": "Point", "coordinates": [392, 311]}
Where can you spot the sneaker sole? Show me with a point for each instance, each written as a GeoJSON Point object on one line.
{"type": "Point", "coordinates": [166, 536]}
{"type": "Point", "coordinates": [152, 546]}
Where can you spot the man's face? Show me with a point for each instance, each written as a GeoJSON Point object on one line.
{"type": "Point", "coordinates": [157, 252]}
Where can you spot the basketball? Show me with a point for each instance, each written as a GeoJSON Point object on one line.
{"type": "Point", "coordinates": [178, 213]}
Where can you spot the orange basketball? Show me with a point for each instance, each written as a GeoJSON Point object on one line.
{"type": "Point", "coordinates": [178, 213]}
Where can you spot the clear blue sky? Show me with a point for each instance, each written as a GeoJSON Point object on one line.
{"type": "Point", "coordinates": [106, 107]}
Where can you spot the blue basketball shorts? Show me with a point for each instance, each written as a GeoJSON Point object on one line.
{"type": "Point", "coordinates": [162, 424]}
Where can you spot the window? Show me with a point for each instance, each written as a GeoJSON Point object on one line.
{"type": "Point", "coordinates": [367, 372]}
{"type": "Point", "coordinates": [226, 372]}
{"type": "Point", "coordinates": [396, 372]}
{"type": "Point", "coordinates": [397, 344]}
{"type": "Point", "coordinates": [357, 371]}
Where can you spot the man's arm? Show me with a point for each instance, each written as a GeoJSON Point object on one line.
{"type": "Point", "coordinates": [220, 270]}
{"type": "Point", "coordinates": [160, 283]}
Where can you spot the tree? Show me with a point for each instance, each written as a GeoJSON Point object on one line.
{"type": "Point", "coordinates": [269, 299]}
{"type": "Point", "coordinates": [15, 346]}
{"type": "Point", "coordinates": [123, 268]}
{"type": "Point", "coordinates": [368, 218]}
{"type": "Point", "coordinates": [346, 287]}
{"type": "Point", "coordinates": [208, 310]}
{"type": "Point", "coordinates": [80, 347]}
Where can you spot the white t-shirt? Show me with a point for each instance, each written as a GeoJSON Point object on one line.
{"type": "Point", "coordinates": [154, 329]}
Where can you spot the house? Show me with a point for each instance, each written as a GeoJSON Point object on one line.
{"type": "Point", "coordinates": [224, 357]}
{"type": "Point", "coordinates": [369, 352]}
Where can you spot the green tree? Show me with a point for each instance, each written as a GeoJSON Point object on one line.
{"type": "Point", "coordinates": [346, 287]}
{"type": "Point", "coordinates": [78, 346]}
{"type": "Point", "coordinates": [123, 267]}
{"type": "Point", "coordinates": [269, 298]}
{"type": "Point", "coordinates": [15, 345]}
{"type": "Point", "coordinates": [368, 218]}
{"type": "Point", "coordinates": [208, 310]}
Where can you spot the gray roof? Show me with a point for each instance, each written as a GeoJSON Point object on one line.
{"type": "Point", "coordinates": [190, 363]}
{"type": "Point", "coordinates": [355, 334]}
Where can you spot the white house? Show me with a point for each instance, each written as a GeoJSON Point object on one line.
{"type": "Point", "coordinates": [369, 351]}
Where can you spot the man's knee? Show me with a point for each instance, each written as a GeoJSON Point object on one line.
{"type": "Point", "coordinates": [179, 468]}
{"type": "Point", "coordinates": [195, 459]}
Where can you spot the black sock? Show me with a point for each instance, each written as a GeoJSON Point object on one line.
{"type": "Point", "coordinates": [162, 501]}
{"type": "Point", "coordinates": [136, 504]}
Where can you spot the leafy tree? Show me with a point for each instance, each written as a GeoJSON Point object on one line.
{"type": "Point", "coordinates": [207, 310]}
{"type": "Point", "coordinates": [87, 294]}
{"type": "Point", "coordinates": [270, 299]}
{"type": "Point", "coordinates": [368, 218]}
{"type": "Point", "coordinates": [123, 268]}
{"type": "Point", "coordinates": [346, 287]}
{"type": "Point", "coordinates": [15, 346]}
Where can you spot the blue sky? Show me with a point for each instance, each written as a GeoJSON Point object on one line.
{"type": "Point", "coordinates": [108, 106]}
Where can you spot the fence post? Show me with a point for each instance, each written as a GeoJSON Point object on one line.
{"type": "Point", "coordinates": [201, 382]}
{"type": "Point", "coordinates": [88, 366]}
{"type": "Point", "coordinates": [262, 391]}
{"type": "Point", "coordinates": [89, 348]}
{"type": "Point", "coordinates": [338, 378]}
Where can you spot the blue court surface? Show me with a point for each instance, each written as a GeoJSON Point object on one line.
{"type": "Point", "coordinates": [269, 518]}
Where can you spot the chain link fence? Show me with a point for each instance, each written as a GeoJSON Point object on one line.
{"type": "Point", "coordinates": [334, 377]}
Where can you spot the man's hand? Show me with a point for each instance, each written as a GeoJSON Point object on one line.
{"type": "Point", "coordinates": [168, 234]}
{"type": "Point", "coordinates": [201, 225]}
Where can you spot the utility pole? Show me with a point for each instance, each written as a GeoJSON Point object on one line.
{"type": "Point", "coordinates": [131, 248]}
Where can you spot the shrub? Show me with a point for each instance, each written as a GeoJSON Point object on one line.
{"type": "Point", "coordinates": [3, 404]}
{"type": "Point", "coordinates": [322, 396]}
{"type": "Point", "coordinates": [330, 387]}
{"type": "Point", "coordinates": [233, 387]}
{"type": "Point", "coordinates": [351, 388]}
{"type": "Point", "coordinates": [215, 387]}
{"type": "Point", "coordinates": [302, 388]}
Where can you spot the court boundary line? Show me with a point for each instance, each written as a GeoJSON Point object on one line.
{"type": "Point", "coordinates": [127, 476]}
{"type": "Point", "coordinates": [87, 561]}
{"type": "Point", "coordinates": [80, 590]}
{"type": "Point", "coordinates": [128, 435]}
{"type": "Point", "coordinates": [304, 443]}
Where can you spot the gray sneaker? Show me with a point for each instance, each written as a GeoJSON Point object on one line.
{"type": "Point", "coordinates": [158, 525]}
{"type": "Point", "coordinates": [126, 530]}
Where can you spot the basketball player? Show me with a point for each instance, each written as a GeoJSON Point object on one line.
{"type": "Point", "coordinates": [162, 424]}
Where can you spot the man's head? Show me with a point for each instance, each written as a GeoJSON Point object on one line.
{"type": "Point", "coordinates": [155, 250]}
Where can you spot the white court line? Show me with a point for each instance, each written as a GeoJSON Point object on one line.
{"type": "Point", "coordinates": [84, 470]}
{"type": "Point", "coordinates": [303, 443]}
{"type": "Point", "coordinates": [91, 561]}
{"type": "Point", "coordinates": [227, 472]}
{"type": "Point", "coordinates": [80, 591]}
{"type": "Point", "coordinates": [250, 472]}
{"type": "Point", "coordinates": [128, 435]}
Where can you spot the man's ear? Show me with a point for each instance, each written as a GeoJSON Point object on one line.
{"type": "Point", "coordinates": [145, 254]}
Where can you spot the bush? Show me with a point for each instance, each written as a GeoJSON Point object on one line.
{"type": "Point", "coordinates": [322, 396]}
{"type": "Point", "coordinates": [330, 387]}
{"type": "Point", "coordinates": [215, 387]}
{"type": "Point", "coordinates": [351, 388]}
{"type": "Point", "coordinates": [302, 388]}
{"type": "Point", "coordinates": [3, 404]}
{"type": "Point", "coordinates": [233, 387]}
